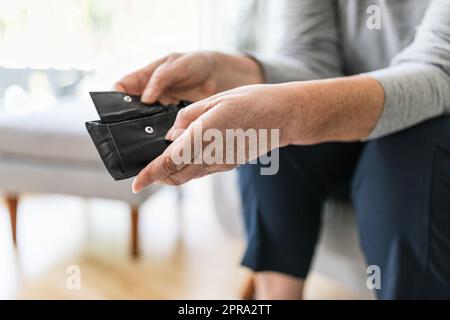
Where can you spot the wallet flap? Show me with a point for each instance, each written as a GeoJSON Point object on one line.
{"type": "Point", "coordinates": [118, 106]}
{"type": "Point", "coordinates": [130, 134]}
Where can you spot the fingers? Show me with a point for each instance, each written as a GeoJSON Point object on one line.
{"type": "Point", "coordinates": [187, 73]}
{"type": "Point", "coordinates": [167, 99]}
{"type": "Point", "coordinates": [193, 171]}
{"type": "Point", "coordinates": [135, 82]}
{"type": "Point", "coordinates": [177, 165]}
{"type": "Point", "coordinates": [188, 115]}
{"type": "Point", "coordinates": [186, 174]}
{"type": "Point", "coordinates": [178, 174]}
{"type": "Point", "coordinates": [168, 163]}
{"type": "Point", "coordinates": [159, 169]}
{"type": "Point", "coordinates": [164, 76]}
{"type": "Point", "coordinates": [120, 86]}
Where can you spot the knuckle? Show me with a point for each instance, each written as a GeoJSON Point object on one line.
{"type": "Point", "coordinates": [164, 100]}
{"type": "Point", "coordinates": [206, 167]}
{"type": "Point", "coordinates": [209, 105]}
{"type": "Point", "coordinates": [218, 168]}
{"type": "Point", "coordinates": [203, 170]}
{"type": "Point", "coordinates": [168, 166]}
{"type": "Point", "coordinates": [159, 75]}
{"type": "Point", "coordinates": [221, 101]}
{"type": "Point", "coordinates": [171, 180]}
{"type": "Point", "coordinates": [217, 100]}
{"type": "Point", "coordinates": [120, 85]}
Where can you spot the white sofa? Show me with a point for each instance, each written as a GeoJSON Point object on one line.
{"type": "Point", "coordinates": [51, 152]}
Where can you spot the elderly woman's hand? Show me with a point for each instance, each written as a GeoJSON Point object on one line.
{"type": "Point", "coordinates": [190, 76]}
{"type": "Point", "coordinates": [260, 108]}
{"type": "Point", "coordinates": [309, 112]}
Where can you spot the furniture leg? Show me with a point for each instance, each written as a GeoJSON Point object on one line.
{"type": "Point", "coordinates": [134, 232]}
{"type": "Point", "coordinates": [12, 202]}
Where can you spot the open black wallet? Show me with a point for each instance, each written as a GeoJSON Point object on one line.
{"type": "Point", "coordinates": [129, 133]}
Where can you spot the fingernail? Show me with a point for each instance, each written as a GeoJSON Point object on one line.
{"type": "Point", "coordinates": [135, 187]}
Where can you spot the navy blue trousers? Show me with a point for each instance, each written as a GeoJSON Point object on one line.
{"type": "Point", "coordinates": [400, 189]}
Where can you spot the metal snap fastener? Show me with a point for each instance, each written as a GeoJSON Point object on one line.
{"type": "Point", "coordinates": [149, 130]}
{"type": "Point", "coordinates": [127, 99]}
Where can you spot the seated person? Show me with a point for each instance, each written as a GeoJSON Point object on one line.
{"type": "Point", "coordinates": [354, 104]}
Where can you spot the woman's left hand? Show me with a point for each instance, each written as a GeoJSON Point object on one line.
{"type": "Point", "coordinates": [250, 107]}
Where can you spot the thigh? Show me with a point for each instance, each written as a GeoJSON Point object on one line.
{"type": "Point", "coordinates": [309, 173]}
{"type": "Point", "coordinates": [401, 192]}
{"type": "Point", "coordinates": [282, 211]}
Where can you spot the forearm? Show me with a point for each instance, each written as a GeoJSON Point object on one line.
{"type": "Point", "coordinates": [341, 109]}
{"type": "Point", "coordinates": [232, 71]}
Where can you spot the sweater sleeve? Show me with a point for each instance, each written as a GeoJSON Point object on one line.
{"type": "Point", "coordinates": [417, 83]}
{"type": "Point", "coordinates": [309, 49]}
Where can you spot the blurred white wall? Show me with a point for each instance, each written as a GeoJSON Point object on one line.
{"type": "Point", "coordinates": [109, 37]}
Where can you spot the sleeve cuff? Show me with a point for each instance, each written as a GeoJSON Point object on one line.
{"type": "Point", "coordinates": [413, 93]}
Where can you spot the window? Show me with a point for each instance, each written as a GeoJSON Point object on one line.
{"type": "Point", "coordinates": [65, 47]}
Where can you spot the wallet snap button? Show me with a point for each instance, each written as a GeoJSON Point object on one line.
{"type": "Point", "coordinates": [127, 99]}
{"type": "Point", "coordinates": [149, 130]}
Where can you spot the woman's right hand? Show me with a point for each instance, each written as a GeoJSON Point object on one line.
{"type": "Point", "coordinates": [190, 76]}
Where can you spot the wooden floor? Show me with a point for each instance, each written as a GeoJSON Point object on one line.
{"type": "Point", "coordinates": [185, 253]}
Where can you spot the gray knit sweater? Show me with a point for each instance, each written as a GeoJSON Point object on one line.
{"type": "Point", "coordinates": [405, 44]}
